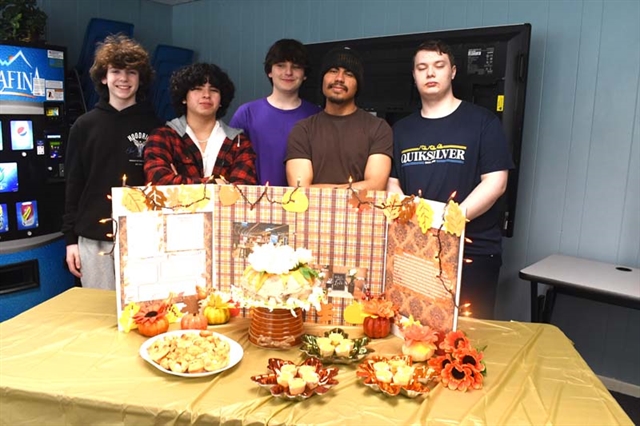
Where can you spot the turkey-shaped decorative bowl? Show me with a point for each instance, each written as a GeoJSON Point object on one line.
{"type": "Point", "coordinates": [335, 347]}
{"type": "Point", "coordinates": [287, 380]}
{"type": "Point", "coordinates": [396, 375]}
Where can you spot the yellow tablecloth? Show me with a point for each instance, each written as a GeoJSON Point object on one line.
{"type": "Point", "coordinates": [64, 362]}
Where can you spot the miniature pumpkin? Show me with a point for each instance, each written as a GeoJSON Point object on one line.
{"type": "Point", "coordinates": [152, 319]}
{"type": "Point", "coordinates": [217, 311]}
{"type": "Point", "coordinates": [193, 321]}
{"type": "Point", "coordinates": [216, 315]}
{"type": "Point", "coordinates": [376, 327]}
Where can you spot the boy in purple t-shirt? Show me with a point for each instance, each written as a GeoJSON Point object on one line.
{"type": "Point", "coordinates": [268, 121]}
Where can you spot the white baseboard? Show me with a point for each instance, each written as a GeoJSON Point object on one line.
{"type": "Point", "coordinates": [621, 387]}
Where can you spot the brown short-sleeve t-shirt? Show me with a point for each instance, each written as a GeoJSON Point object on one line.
{"type": "Point", "coordinates": [339, 146]}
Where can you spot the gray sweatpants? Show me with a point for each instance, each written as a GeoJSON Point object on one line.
{"type": "Point", "coordinates": [98, 271]}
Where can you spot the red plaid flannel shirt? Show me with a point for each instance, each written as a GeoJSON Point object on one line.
{"type": "Point", "coordinates": [165, 147]}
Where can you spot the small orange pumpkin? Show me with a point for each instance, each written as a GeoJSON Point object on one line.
{"type": "Point", "coordinates": [376, 327]}
{"type": "Point", "coordinates": [152, 319]}
{"type": "Point", "coordinates": [193, 321]}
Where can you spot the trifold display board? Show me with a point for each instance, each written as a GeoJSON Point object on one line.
{"type": "Point", "coordinates": [168, 239]}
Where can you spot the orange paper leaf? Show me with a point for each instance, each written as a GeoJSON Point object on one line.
{"type": "Point", "coordinates": [228, 195]}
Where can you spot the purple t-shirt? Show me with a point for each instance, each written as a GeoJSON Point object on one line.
{"type": "Point", "coordinates": [268, 129]}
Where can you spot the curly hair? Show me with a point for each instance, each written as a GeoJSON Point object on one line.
{"type": "Point", "coordinates": [287, 49]}
{"type": "Point", "coordinates": [121, 52]}
{"type": "Point", "coordinates": [191, 76]}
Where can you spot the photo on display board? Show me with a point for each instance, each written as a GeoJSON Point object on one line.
{"type": "Point", "coordinates": [1, 143]}
{"type": "Point", "coordinates": [21, 135]}
{"type": "Point", "coordinates": [8, 177]}
{"type": "Point", "coordinates": [27, 214]}
{"type": "Point", "coordinates": [4, 218]}
{"type": "Point", "coordinates": [246, 235]}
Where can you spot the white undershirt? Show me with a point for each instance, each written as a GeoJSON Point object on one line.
{"type": "Point", "coordinates": [214, 143]}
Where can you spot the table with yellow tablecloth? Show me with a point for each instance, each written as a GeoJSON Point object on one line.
{"type": "Point", "coordinates": [64, 362]}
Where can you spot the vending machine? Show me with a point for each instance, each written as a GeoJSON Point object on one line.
{"type": "Point", "coordinates": [33, 132]}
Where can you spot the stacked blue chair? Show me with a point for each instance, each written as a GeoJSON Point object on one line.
{"type": "Point", "coordinates": [97, 30]}
{"type": "Point", "coordinates": [165, 60]}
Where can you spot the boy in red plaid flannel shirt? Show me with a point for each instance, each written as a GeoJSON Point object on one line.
{"type": "Point", "coordinates": [198, 147]}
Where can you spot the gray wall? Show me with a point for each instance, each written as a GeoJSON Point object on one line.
{"type": "Point", "coordinates": [579, 191]}
{"type": "Point", "coordinates": [68, 21]}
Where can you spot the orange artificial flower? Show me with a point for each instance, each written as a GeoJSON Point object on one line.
{"type": "Point", "coordinates": [455, 340]}
{"type": "Point", "coordinates": [379, 308]}
{"type": "Point", "coordinates": [470, 357]}
{"type": "Point", "coordinates": [439, 362]}
{"type": "Point", "coordinates": [419, 333]}
{"type": "Point", "coordinates": [460, 377]}
{"type": "Point", "coordinates": [151, 313]}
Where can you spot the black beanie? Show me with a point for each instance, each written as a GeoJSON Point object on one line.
{"type": "Point", "coordinates": [346, 58]}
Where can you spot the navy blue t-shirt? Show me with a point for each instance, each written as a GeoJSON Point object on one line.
{"type": "Point", "coordinates": [443, 155]}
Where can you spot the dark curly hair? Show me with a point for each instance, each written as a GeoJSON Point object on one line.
{"type": "Point", "coordinates": [121, 52]}
{"type": "Point", "coordinates": [287, 49]}
{"type": "Point", "coordinates": [194, 75]}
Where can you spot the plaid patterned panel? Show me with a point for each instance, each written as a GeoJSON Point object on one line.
{"type": "Point", "coordinates": [336, 233]}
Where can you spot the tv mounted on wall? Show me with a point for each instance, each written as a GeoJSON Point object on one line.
{"type": "Point", "coordinates": [491, 67]}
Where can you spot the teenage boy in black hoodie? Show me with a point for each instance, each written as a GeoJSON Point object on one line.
{"type": "Point", "coordinates": [104, 145]}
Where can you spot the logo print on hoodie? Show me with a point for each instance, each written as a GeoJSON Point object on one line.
{"type": "Point", "coordinates": [139, 139]}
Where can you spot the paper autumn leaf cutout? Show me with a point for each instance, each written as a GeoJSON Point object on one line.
{"type": "Point", "coordinates": [173, 196]}
{"type": "Point", "coordinates": [354, 313]}
{"type": "Point", "coordinates": [424, 213]}
{"type": "Point", "coordinates": [454, 219]}
{"type": "Point", "coordinates": [325, 314]}
{"type": "Point", "coordinates": [228, 195]}
{"type": "Point", "coordinates": [194, 197]}
{"type": "Point", "coordinates": [126, 317]}
{"type": "Point", "coordinates": [134, 200]}
{"type": "Point", "coordinates": [296, 201]}
{"type": "Point", "coordinates": [392, 207]}
{"type": "Point", "coordinates": [155, 198]}
{"type": "Point", "coordinates": [407, 210]}
{"type": "Point", "coordinates": [360, 203]}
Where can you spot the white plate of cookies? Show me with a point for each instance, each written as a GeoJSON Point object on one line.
{"type": "Point", "coordinates": [191, 353]}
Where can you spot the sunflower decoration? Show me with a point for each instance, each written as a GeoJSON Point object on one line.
{"type": "Point", "coordinates": [152, 319]}
{"type": "Point", "coordinates": [459, 366]}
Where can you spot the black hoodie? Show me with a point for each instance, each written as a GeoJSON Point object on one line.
{"type": "Point", "coordinates": [104, 144]}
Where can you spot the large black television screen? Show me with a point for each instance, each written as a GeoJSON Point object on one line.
{"type": "Point", "coordinates": [491, 67]}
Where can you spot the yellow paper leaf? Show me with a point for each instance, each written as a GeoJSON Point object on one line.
{"type": "Point", "coordinates": [354, 313]}
{"type": "Point", "coordinates": [126, 317]}
{"type": "Point", "coordinates": [194, 198]}
{"type": "Point", "coordinates": [294, 200]}
{"type": "Point", "coordinates": [174, 314]}
{"type": "Point", "coordinates": [228, 195]}
{"type": "Point", "coordinates": [424, 213]}
{"type": "Point", "coordinates": [173, 196]}
{"type": "Point", "coordinates": [133, 200]}
{"type": "Point", "coordinates": [454, 219]}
